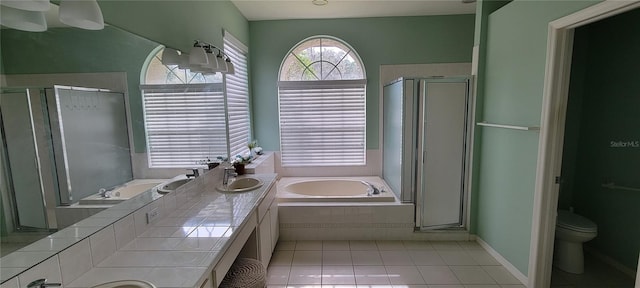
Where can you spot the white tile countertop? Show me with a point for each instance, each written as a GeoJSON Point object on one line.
{"type": "Point", "coordinates": [180, 248]}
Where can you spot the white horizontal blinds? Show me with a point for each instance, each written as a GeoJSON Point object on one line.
{"type": "Point", "coordinates": [322, 123]}
{"type": "Point", "coordinates": [237, 89]}
{"type": "Point", "coordinates": [184, 123]}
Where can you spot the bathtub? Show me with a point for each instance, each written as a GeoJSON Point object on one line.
{"type": "Point", "coordinates": [127, 191]}
{"type": "Point", "coordinates": [333, 189]}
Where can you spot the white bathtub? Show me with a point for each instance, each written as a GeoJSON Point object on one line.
{"type": "Point", "coordinates": [127, 191]}
{"type": "Point", "coordinates": [333, 189]}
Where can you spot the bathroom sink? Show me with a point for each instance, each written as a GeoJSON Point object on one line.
{"type": "Point", "coordinates": [172, 186]}
{"type": "Point", "coordinates": [241, 185]}
{"type": "Point", "coordinates": [126, 284]}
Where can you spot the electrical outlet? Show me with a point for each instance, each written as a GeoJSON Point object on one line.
{"type": "Point", "coordinates": [152, 215]}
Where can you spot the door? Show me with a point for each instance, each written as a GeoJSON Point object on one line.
{"type": "Point", "coordinates": [22, 160]}
{"type": "Point", "coordinates": [443, 127]}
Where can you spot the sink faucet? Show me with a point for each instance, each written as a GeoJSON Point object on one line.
{"type": "Point", "coordinates": [195, 174]}
{"type": "Point", "coordinates": [228, 172]}
{"type": "Point", "coordinates": [42, 283]}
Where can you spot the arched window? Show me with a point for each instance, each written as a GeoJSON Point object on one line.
{"type": "Point", "coordinates": [322, 101]}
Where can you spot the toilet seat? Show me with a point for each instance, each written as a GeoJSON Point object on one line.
{"type": "Point", "coordinates": [575, 222]}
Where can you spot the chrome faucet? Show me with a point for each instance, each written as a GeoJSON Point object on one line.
{"type": "Point", "coordinates": [228, 172]}
{"type": "Point", "coordinates": [195, 174]}
{"type": "Point", "coordinates": [372, 189]}
{"type": "Point", "coordinates": [42, 283]}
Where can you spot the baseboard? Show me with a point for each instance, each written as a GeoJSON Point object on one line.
{"type": "Point", "coordinates": [610, 261]}
{"type": "Point", "coordinates": [507, 265]}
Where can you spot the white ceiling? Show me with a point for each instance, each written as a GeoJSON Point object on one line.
{"type": "Point", "coordinates": [255, 10]}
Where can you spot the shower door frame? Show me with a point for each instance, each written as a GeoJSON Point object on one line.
{"type": "Point", "coordinates": [467, 150]}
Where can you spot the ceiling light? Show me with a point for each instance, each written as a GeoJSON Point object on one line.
{"type": "Point", "coordinates": [320, 2]}
{"type": "Point", "coordinates": [85, 14]}
{"type": "Point", "coordinates": [24, 20]}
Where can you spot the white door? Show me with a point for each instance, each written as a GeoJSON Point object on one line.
{"type": "Point", "coordinates": [444, 127]}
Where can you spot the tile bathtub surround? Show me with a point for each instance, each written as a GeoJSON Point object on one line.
{"type": "Point", "coordinates": [388, 264]}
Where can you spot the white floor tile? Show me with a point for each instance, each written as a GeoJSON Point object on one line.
{"type": "Point", "coordinates": [278, 275]}
{"type": "Point", "coordinates": [404, 275]}
{"type": "Point", "coordinates": [446, 286]}
{"type": "Point", "coordinates": [306, 258]}
{"type": "Point", "coordinates": [482, 257]}
{"type": "Point", "coordinates": [286, 245]}
{"type": "Point", "coordinates": [335, 245]}
{"type": "Point", "coordinates": [309, 245]}
{"type": "Point", "coordinates": [362, 245]}
{"type": "Point", "coordinates": [472, 275]}
{"type": "Point", "coordinates": [395, 258]}
{"type": "Point", "coordinates": [342, 275]}
{"type": "Point", "coordinates": [501, 275]}
{"type": "Point", "coordinates": [446, 245]}
{"type": "Point", "coordinates": [390, 245]}
{"type": "Point", "coordinates": [417, 245]}
{"type": "Point", "coordinates": [305, 275]}
{"type": "Point", "coordinates": [470, 245]}
{"type": "Point", "coordinates": [371, 275]}
{"type": "Point", "coordinates": [456, 257]}
{"type": "Point", "coordinates": [426, 258]}
{"type": "Point", "coordinates": [281, 258]}
{"type": "Point", "coordinates": [336, 258]}
{"type": "Point", "coordinates": [438, 275]}
{"type": "Point", "coordinates": [370, 258]}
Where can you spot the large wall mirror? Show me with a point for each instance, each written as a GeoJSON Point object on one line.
{"type": "Point", "coordinates": [99, 74]}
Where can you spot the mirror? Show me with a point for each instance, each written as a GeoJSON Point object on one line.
{"type": "Point", "coordinates": [108, 59]}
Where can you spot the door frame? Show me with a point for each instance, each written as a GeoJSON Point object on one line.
{"type": "Point", "coordinates": [554, 106]}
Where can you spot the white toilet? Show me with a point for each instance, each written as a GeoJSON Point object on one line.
{"type": "Point", "coordinates": [571, 231]}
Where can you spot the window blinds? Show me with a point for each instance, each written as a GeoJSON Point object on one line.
{"type": "Point", "coordinates": [322, 123]}
{"type": "Point", "coordinates": [237, 89]}
{"type": "Point", "coordinates": [184, 124]}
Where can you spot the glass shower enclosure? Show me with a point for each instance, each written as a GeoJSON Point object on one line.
{"type": "Point", "coordinates": [59, 144]}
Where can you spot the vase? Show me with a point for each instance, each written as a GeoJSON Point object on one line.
{"type": "Point", "coordinates": [239, 168]}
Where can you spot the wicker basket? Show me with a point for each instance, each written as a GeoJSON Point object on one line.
{"type": "Point", "coordinates": [245, 273]}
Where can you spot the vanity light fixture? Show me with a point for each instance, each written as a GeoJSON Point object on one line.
{"type": "Point", "coordinates": [28, 5]}
{"type": "Point", "coordinates": [85, 14]}
{"type": "Point", "coordinates": [203, 58]}
{"type": "Point", "coordinates": [28, 15]}
{"type": "Point", "coordinates": [320, 2]}
{"type": "Point", "coordinates": [32, 21]}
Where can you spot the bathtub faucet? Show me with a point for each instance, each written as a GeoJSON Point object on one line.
{"type": "Point", "coordinates": [228, 172]}
{"type": "Point", "coordinates": [372, 189]}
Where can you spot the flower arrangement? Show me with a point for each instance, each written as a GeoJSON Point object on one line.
{"type": "Point", "coordinates": [241, 159]}
{"type": "Point", "coordinates": [253, 147]}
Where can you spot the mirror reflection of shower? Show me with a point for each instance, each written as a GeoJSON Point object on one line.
{"type": "Point", "coordinates": [58, 145]}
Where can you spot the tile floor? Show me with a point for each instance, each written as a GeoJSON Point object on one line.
{"type": "Point", "coordinates": [385, 264]}
{"type": "Point", "coordinates": [597, 274]}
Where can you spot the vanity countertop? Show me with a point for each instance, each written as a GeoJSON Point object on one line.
{"type": "Point", "coordinates": [179, 249]}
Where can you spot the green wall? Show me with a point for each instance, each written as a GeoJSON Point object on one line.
{"type": "Point", "coordinates": [513, 86]}
{"type": "Point", "coordinates": [178, 23]}
{"type": "Point", "coordinates": [71, 50]}
{"type": "Point", "coordinates": [605, 100]}
{"type": "Point", "coordinates": [378, 41]}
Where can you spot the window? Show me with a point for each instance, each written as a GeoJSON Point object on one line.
{"type": "Point", "coordinates": [322, 101]}
{"type": "Point", "coordinates": [190, 117]}
{"type": "Point", "coordinates": [237, 90]}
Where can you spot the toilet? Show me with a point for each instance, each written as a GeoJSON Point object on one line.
{"type": "Point", "coordinates": [571, 231]}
